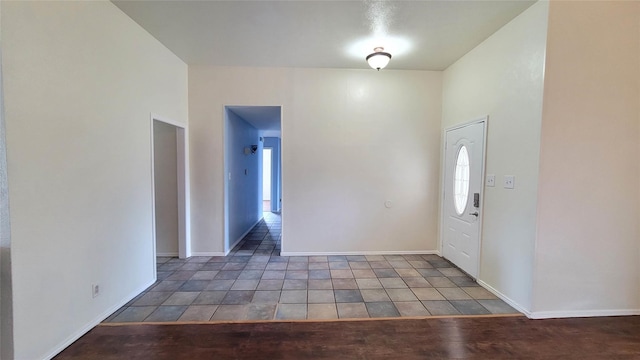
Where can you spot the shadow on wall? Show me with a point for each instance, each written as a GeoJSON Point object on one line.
{"type": "Point", "coordinates": [243, 193]}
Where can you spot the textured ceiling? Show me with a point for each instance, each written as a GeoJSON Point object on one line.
{"type": "Point", "coordinates": [421, 35]}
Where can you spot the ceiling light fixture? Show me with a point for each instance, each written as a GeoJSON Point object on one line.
{"type": "Point", "coordinates": [378, 59]}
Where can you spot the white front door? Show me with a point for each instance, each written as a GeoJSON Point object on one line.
{"type": "Point", "coordinates": [464, 164]}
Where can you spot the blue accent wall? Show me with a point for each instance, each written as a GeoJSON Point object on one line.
{"type": "Point", "coordinates": [276, 173]}
{"type": "Point", "coordinates": [243, 201]}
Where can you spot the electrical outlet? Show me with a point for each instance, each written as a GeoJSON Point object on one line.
{"type": "Point", "coordinates": [95, 290]}
{"type": "Point", "coordinates": [509, 181]}
{"type": "Point", "coordinates": [491, 180]}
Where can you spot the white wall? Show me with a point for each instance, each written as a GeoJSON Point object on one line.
{"type": "Point", "coordinates": [588, 248]}
{"type": "Point", "coordinates": [244, 194]}
{"type": "Point", "coordinates": [352, 139]}
{"type": "Point", "coordinates": [80, 82]}
{"type": "Point", "coordinates": [503, 78]}
{"type": "Point", "coordinates": [165, 168]}
{"type": "Point", "coordinates": [6, 303]}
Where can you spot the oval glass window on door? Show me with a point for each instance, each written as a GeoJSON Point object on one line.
{"type": "Point", "coordinates": [461, 181]}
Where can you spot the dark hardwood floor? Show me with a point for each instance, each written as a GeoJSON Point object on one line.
{"type": "Point", "coordinates": [430, 338]}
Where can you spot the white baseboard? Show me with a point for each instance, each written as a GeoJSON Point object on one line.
{"type": "Point", "coordinates": [234, 245]}
{"type": "Point", "coordinates": [97, 320]}
{"type": "Point", "coordinates": [582, 313]}
{"type": "Point", "coordinates": [208, 253]}
{"type": "Point", "coordinates": [505, 298]}
{"type": "Point", "coordinates": [558, 314]}
{"type": "Point", "coordinates": [329, 253]}
{"type": "Point", "coordinates": [167, 254]}
{"type": "Point", "coordinates": [227, 251]}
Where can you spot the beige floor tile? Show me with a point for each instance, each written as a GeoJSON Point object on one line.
{"type": "Point", "coordinates": [393, 283]}
{"type": "Point", "coordinates": [375, 258]}
{"type": "Point", "coordinates": [231, 312]}
{"type": "Point", "coordinates": [266, 296]}
{"type": "Point", "coordinates": [420, 264]}
{"type": "Point", "coordinates": [454, 294]}
{"type": "Point", "coordinates": [400, 264]}
{"type": "Point", "coordinates": [341, 274]}
{"type": "Point", "coordinates": [320, 284]}
{"type": "Point", "coordinates": [374, 295]}
{"type": "Point", "coordinates": [369, 284]}
{"type": "Point", "coordinates": [408, 273]}
{"type": "Point", "coordinates": [440, 281]}
{"type": "Point", "coordinates": [411, 308]}
{"type": "Point", "coordinates": [198, 313]}
{"type": "Point", "coordinates": [359, 265]}
{"type": "Point", "coordinates": [479, 293]}
{"type": "Point", "coordinates": [322, 311]}
{"type": "Point", "coordinates": [293, 297]}
{"type": "Point", "coordinates": [153, 298]}
{"type": "Point", "coordinates": [416, 282]}
{"type": "Point", "coordinates": [290, 284]}
{"type": "Point", "coordinates": [352, 310]}
{"type": "Point", "coordinates": [318, 266]}
{"type": "Point", "coordinates": [317, 259]}
{"type": "Point", "coordinates": [291, 312]}
{"type": "Point", "coordinates": [320, 296]}
{"type": "Point", "coordinates": [401, 295]}
{"type": "Point", "coordinates": [344, 284]}
{"type": "Point", "coordinates": [261, 311]}
{"type": "Point", "coordinates": [497, 306]}
{"type": "Point", "coordinates": [181, 298]}
{"type": "Point", "coordinates": [204, 275]}
{"type": "Point", "coordinates": [364, 274]}
{"type": "Point", "coordinates": [451, 272]}
{"type": "Point", "coordinates": [427, 294]}
{"type": "Point", "coordinates": [440, 308]}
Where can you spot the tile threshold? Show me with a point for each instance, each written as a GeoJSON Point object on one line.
{"type": "Point", "coordinates": [214, 322]}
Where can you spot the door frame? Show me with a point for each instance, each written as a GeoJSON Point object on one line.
{"type": "Point", "coordinates": [182, 174]}
{"type": "Point", "coordinates": [485, 120]}
{"type": "Point", "coordinates": [226, 246]}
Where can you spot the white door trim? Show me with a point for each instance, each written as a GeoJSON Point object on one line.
{"type": "Point", "coordinates": [485, 120]}
{"type": "Point", "coordinates": [182, 174]}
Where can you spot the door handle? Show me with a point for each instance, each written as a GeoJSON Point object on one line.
{"type": "Point", "coordinates": [474, 214]}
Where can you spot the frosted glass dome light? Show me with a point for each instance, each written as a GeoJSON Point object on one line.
{"type": "Point", "coordinates": [378, 59]}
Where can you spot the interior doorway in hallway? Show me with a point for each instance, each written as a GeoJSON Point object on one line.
{"type": "Point", "coordinates": [266, 178]}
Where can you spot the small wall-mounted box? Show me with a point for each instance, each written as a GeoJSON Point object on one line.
{"type": "Point", "coordinates": [509, 181]}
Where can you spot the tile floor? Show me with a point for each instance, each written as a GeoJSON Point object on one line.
{"type": "Point", "coordinates": [255, 283]}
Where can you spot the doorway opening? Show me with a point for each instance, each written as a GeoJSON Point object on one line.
{"type": "Point", "coordinates": [266, 179]}
{"type": "Point", "coordinates": [252, 174]}
{"type": "Point", "coordinates": [170, 188]}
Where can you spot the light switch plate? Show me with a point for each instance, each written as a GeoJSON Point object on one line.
{"type": "Point", "coordinates": [491, 180]}
{"type": "Point", "coordinates": [509, 181]}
